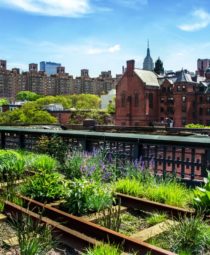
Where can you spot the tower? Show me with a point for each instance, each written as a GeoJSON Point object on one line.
{"type": "Point", "coordinates": [148, 62]}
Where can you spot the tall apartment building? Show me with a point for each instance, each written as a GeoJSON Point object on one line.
{"type": "Point", "coordinates": [49, 67]}
{"type": "Point", "coordinates": [60, 83]}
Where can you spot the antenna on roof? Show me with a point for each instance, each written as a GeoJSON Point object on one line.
{"type": "Point", "coordinates": [148, 43]}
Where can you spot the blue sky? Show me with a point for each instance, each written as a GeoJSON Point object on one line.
{"type": "Point", "coordinates": [103, 34]}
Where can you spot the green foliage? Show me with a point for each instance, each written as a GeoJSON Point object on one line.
{"type": "Point", "coordinates": [4, 101]}
{"type": "Point", "coordinates": [159, 67]}
{"type": "Point", "coordinates": [156, 218]}
{"type": "Point", "coordinates": [41, 163]}
{"type": "Point", "coordinates": [27, 114]}
{"type": "Point", "coordinates": [103, 249]}
{"type": "Point", "coordinates": [85, 196]}
{"type": "Point", "coordinates": [202, 196]}
{"type": "Point", "coordinates": [102, 117]}
{"type": "Point", "coordinates": [34, 238]}
{"type": "Point", "coordinates": [130, 186]}
{"type": "Point", "coordinates": [27, 96]}
{"type": "Point", "coordinates": [72, 165]}
{"type": "Point", "coordinates": [41, 102]}
{"type": "Point", "coordinates": [110, 218]}
{"type": "Point", "coordinates": [192, 125]}
{"type": "Point", "coordinates": [45, 187]}
{"type": "Point", "coordinates": [85, 101]}
{"type": "Point", "coordinates": [189, 236]}
{"type": "Point", "coordinates": [167, 192]}
{"type": "Point", "coordinates": [53, 146]}
{"type": "Point", "coordinates": [12, 165]}
{"type": "Point", "coordinates": [111, 108]}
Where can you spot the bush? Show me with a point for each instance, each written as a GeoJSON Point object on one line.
{"type": "Point", "coordinates": [12, 165]}
{"type": "Point", "coordinates": [190, 236]}
{"type": "Point", "coordinates": [45, 187]}
{"type": "Point", "coordinates": [53, 146]}
{"type": "Point", "coordinates": [40, 162]}
{"type": "Point", "coordinates": [202, 196]}
{"type": "Point", "coordinates": [85, 197]}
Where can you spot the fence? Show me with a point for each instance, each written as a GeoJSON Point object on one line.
{"type": "Point", "coordinates": [184, 157]}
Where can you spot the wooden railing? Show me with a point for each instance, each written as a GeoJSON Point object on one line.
{"type": "Point", "coordinates": [184, 157]}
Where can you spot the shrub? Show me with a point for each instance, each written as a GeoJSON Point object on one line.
{"type": "Point", "coordinates": [12, 165]}
{"type": "Point", "coordinates": [40, 162]}
{"type": "Point", "coordinates": [189, 236]}
{"type": "Point", "coordinates": [72, 166]}
{"type": "Point", "coordinates": [85, 197]}
{"type": "Point", "coordinates": [202, 196]}
{"type": "Point", "coordinates": [53, 146]}
{"type": "Point", "coordinates": [45, 187]}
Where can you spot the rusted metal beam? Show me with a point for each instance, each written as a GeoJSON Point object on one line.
{"type": "Point", "coordinates": [66, 235]}
{"type": "Point", "coordinates": [151, 206]}
{"type": "Point", "coordinates": [100, 233]}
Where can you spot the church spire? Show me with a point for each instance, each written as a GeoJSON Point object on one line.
{"type": "Point", "coordinates": [148, 62]}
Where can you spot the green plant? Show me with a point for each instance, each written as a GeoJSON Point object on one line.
{"type": "Point", "coordinates": [34, 238]}
{"type": "Point", "coordinates": [131, 187]}
{"type": "Point", "coordinates": [12, 165]}
{"type": "Point", "coordinates": [72, 166]}
{"type": "Point", "coordinates": [190, 236]}
{"type": "Point", "coordinates": [85, 196]}
{"type": "Point", "coordinates": [53, 146]}
{"type": "Point", "coordinates": [156, 218]}
{"type": "Point", "coordinates": [103, 249]}
{"type": "Point", "coordinates": [167, 192]}
{"type": "Point", "coordinates": [110, 218]}
{"type": "Point", "coordinates": [41, 162]}
{"type": "Point", "coordinates": [202, 196]}
{"type": "Point", "coordinates": [45, 187]}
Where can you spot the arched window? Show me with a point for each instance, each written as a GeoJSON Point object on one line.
{"type": "Point", "coordinates": [123, 100]}
{"type": "Point", "coordinates": [136, 100]}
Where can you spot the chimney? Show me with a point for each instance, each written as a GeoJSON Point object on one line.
{"type": "Point", "coordinates": [130, 67]}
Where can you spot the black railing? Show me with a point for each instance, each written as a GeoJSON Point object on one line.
{"type": "Point", "coordinates": [184, 157]}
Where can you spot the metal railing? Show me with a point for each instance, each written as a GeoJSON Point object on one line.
{"type": "Point", "coordinates": [184, 157]}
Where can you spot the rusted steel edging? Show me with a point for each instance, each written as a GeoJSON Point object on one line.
{"type": "Point", "coordinates": [67, 236]}
{"type": "Point", "coordinates": [100, 233]}
{"type": "Point", "coordinates": [151, 206]}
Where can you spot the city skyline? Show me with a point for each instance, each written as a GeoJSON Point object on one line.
{"type": "Point", "coordinates": [102, 35]}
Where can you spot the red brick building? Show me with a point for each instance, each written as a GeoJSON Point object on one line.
{"type": "Point", "coordinates": [143, 98]}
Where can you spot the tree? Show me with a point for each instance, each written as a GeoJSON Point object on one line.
{"type": "Point", "coordinates": [111, 106]}
{"type": "Point", "coordinates": [159, 67]}
{"type": "Point", "coordinates": [4, 101]}
{"type": "Point", "coordinates": [85, 101]}
{"type": "Point", "coordinates": [27, 96]}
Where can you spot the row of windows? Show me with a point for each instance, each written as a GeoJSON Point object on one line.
{"type": "Point", "coordinates": [136, 100]}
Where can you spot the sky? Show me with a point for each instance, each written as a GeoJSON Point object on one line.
{"type": "Point", "coordinates": [102, 35]}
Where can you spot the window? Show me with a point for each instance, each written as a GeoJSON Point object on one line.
{"type": "Point", "coordinates": [123, 103]}
{"type": "Point", "coordinates": [150, 100]}
{"type": "Point", "coordinates": [161, 109]}
{"type": "Point", "coordinates": [201, 100]}
{"type": "Point", "coordinates": [162, 100]}
{"type": "Point", "coordinates": [163, 89]}
{"type": "Point", "coordinates": [208, 99]}
{"type": "Point", "coordinates": [136, 100]}
{"type": "Point", "coordinates": [208, 111]}
{"type": "Point", "coordinates": [184, 88]}
{"type": "Point", "coordinates": [183, 99]}
{"type": "Point", "coordinates": [184, 109]}
{"type": "Point", "coordinates": [178, 88]}
{"type": "Point", "coordinates": [200, 111]}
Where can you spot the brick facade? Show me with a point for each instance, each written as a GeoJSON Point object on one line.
{"type": "Point", "coordinates": [141, 102]}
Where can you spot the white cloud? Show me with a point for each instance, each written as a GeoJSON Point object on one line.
{"type": "Point", "coordinates": [97, 50]}
{"type": "Point", "coordinates": [66, 8]}
{"type": "Point", "coordinates": [203, 21]}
